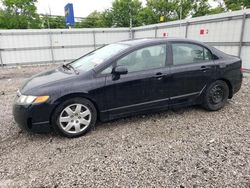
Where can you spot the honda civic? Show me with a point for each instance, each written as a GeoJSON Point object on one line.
{"type": "Point", "coordinates": [127, 78]}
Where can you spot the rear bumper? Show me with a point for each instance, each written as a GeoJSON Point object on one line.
{"type": "Point", "coordinates": [237, 85]}
{"type": "Point", "coordinates": [33, 118]}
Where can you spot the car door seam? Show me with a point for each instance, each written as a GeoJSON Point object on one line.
{"type": "Point", "coordinates": [133, 105]}
{"type": "Point", "coordinates": [159, 100]}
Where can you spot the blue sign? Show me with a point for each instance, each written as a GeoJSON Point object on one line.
{"type": "Point", "coordinates": [69, 15]}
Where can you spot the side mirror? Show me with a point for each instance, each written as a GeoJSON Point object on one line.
{"type": "Point", "coordinates": [119, 70]}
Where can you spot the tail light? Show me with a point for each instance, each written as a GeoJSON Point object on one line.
{"type": "Point", "coordinates": [241, 68]}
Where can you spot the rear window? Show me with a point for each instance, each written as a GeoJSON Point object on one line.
{"type": "Point", "coordinates": [186, 53]}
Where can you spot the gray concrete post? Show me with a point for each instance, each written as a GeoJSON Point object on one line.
{"type": "Point", "coordinates": [1, 59]}
{"type": "Point", "coordinates": [186, 32]}
{"type": "Point", "coordinates": [94, 39]}
{"type": "Point", "coordinates": [242, 33]}
{"type": "Point", "coordinates": [156, 28]}
{"type": "Point", "coordinates": [51, 47]}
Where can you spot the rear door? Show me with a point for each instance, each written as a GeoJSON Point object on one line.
{"type": "Point", "coordinates": [191, 70]}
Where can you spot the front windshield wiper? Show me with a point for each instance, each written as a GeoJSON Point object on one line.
{"type": "Point", "coordinates": [65, 67]}
{"type": "Point", "coordinates": [69, 67]}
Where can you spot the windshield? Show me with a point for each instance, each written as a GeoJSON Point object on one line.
{"type": "Point", "coordinates": [97, 57]}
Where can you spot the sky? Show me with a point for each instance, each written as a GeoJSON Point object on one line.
{"type": "Point", "coordinates": [82, 8]}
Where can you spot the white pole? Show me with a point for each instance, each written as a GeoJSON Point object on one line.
{"type": "Point", "coordinates": [50, 39]}
{"type": "Point", "coordinates": [130, 23]}
{"type": "Point", "coordinates": [181, 10]}
{"type": "Point", "coordinates": [180, 15]}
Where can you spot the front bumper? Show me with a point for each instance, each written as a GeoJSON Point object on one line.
{"type": "Point", "coordinates": [33, 118]}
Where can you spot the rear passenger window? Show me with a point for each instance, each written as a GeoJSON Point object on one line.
{"type": "Point", "coordinates": [186, 53]}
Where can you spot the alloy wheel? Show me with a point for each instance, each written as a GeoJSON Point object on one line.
{"type": "Point", "coordinates": [75, 118]}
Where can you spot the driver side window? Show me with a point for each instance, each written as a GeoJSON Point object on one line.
{"type": "Point", "coordinates": [108, 70]}
{"type": "Point", "coordinates": [147, 58]}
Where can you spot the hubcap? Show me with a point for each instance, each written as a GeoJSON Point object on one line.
{"type": "Point", "coordinates": [216, 94]}
{"type": "Point", "coordinates": [75, 118]}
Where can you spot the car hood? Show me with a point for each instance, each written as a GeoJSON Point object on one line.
{"type": "Point", "coordinates": [47, 78]}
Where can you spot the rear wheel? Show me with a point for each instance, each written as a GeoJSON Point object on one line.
{"type": "Point", "coordinates": [216, 95]}
{"type": "Point", "coordinates": [74, 117]}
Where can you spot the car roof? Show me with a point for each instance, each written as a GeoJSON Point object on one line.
{"type": "Point", "coordinates": [146, 41]}
{"type": "Point", "coordinates": [135, 43]}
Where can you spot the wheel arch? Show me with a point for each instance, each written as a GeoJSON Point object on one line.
{"type": "Point", "coordinates": [74, 95]}
{"type": "Point", "coordinates": [230, 87]}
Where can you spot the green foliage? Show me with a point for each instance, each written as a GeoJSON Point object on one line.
{"type": "Point", "coordinates": [117, 16]}
{"type": "Point", "coordinates": [123, 9]}
{"type": "Point", "coordinates": [200, 8]}
{"type": "Point", "coordinates": [176, 9]}
{"type": "Point", "coordinates": [166, 8]}
{"type": "Point", "coordinates": [53, 22]}
{"type": "Point", "coordinates": [107, 17]}
{"type": "Point", "coordinates": [237, 4]}
{"type": "Point", "coordinates": [184, 7]}
{"type": "Point", "coordinates": [217, 10]}
{"type": "Point", "coordinates": [95, 19]}
{"type": "Point", "coordinates": [146, 16]}
{"type": "Point", "coordinates": [19, 14]}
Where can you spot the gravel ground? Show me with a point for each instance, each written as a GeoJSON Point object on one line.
{"type": "Point", "coordinates": [189, 147]}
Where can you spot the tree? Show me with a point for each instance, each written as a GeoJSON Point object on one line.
{"type": "Point", "coordinates": [237, 4]}
{"type": "Point", "coordinates": [19, 14]}
{"type": "Point", "coordinates": [146, 16]}
{"type": "Point", "coordinates": [166, 8]}
{"type": "Point", "coordinates": [183, 8]}
{"type": "Point", "coordinates": [219, 9]}
{"type": "Point", "coordinates": [107, 18]}
{"type": "Point", "coordinates": [122, 10]}
{"type": "Point", "coordinates": [2, 23]}
{"type": "Point", "coordinates": [117, 16]}
{"type": "Point", "coordinates": [95, 19]}
{"type": "Point", "coordinates": [176, 9]}
{"type": "Point", "coordinates": [200, 8]}
{"type": "Point", "coordinates": [53, 22]}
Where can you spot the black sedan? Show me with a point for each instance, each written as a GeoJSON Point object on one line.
{"type": "Point", "coordinates": [127, 78]}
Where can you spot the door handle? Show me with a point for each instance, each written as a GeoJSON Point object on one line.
{"type": "Point", "coordinates": [159, 75]}
{"type": "Point", "coordinates": [204, 68]}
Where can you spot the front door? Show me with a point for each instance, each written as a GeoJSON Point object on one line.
{"type": "Point", "coordinates": [144, 84]}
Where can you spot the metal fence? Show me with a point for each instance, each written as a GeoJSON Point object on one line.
{"type": "Point", "coordinates": [59, 45]}
{"type": "Point", "coordinates": [228, 32]}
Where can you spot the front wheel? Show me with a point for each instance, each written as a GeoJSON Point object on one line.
{"type": "Point", "coordinates": [216, 95]}
{"type": "Point", "coordinates": [74, 117]}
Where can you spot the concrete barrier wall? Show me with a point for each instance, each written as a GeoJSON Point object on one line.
{"type": "Point", "coordinates": [229, 32]}
{"type": "Point", "coordinates": [57, 45]}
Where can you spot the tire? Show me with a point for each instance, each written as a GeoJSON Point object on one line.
{"type": "Point", "coordinates": [216, 96]}
{"type": "Point", "coordinates": [74, 117]}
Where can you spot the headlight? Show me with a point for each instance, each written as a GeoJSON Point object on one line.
{"type": "Point", "coordinates": [25, 100]}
